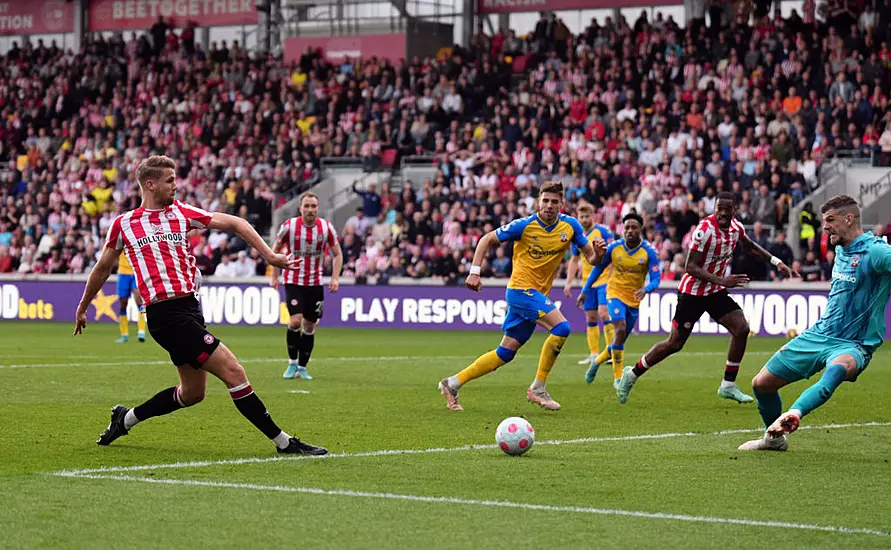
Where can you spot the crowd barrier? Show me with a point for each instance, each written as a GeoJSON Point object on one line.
{"type": "Point", "coordinates": [771, 309]}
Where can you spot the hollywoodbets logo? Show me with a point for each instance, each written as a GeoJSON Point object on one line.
{"type": "Point", "coordinates": [174, 238]}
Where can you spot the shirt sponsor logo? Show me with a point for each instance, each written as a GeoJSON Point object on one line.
{"type": "Point", "coordinates": [536, 252]}
{"type": "Point", "coordinates": [839, 276]}
{"type": "Point", "coordinates": [175, 238]}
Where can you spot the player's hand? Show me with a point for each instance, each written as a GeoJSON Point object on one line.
{"type": "Point", "coordinates": [80, 320]}
{"type": "Point", "coordinates": [274, 282]}
{"type": "Point", "coordinates": [735, 281]}
{"type": "Point", "coordinates": [580, 301]}
{"type": "Point", "coordinates": [599, 249]}
{"type": "Point", "coordinates": [786, 270]}
{"type": "Point", "coordinates": [640, 293]}
{"type": "Point", "coordinates": [334, 285]}
{"type": "Point", "coordinates": [473, 282]}
{"type": "Point", "coordinates": [282, 261]}
{"type": "Point", "coordinates": [567, 290]}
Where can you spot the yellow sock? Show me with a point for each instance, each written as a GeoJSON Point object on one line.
{"type": "Point", "coordinates": [594, 339]}
{"type": "Point", "coordinates": [485, 364]}
{"type": "Point", "coordinates": [140, 322]}
{"type": "Point", "coordinates": [549, 352]}
{"type": "Point", "coordinates": [604, 355]}
{"type": "Point", "coordinates": [618, 361]}
{"type": "Point", "coordinates": [123, 322]}
{"type": "Point", "coordinates": [609, 333]}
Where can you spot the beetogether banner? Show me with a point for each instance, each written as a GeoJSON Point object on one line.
{"type": "Point", "coordinates": [770, 311]}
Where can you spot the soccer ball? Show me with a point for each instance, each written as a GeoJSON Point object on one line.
{"type": "Point", "coordinates": [515, 435]}
{"type": "Point", "coordinates": [792, 333]}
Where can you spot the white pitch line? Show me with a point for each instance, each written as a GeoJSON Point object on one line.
{"type": "Point", "coordinates": [502, 504]}
{"type": "Point", "coordinates": [393, 452]}
{"type": "Point", "coordinates": [348, 359]}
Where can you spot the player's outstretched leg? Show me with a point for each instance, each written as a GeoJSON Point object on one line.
{"type": "Point", "coordinates": [537, 392]}
{"type": "Point", "coordinates": [766, 386]}
{"type": "Point", "coordinates": [294, 341]}
{"type": "Point", "coordinates": [483, 365]}
{"type": "Point", "coordinates": [225, 366]}
{"type": "Point", "coordinates": [735, 322]}
{"type": "Point", "coordinates": [164, 402]}
{"type": "Point", "coordinates": [841, 369]}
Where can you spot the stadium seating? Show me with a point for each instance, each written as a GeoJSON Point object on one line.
{"type": "Point", "coordinates": [646, 116]}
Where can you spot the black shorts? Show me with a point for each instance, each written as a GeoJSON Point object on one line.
{"type": "Point", "coordinates": [308, 301]}
{"type": "Point", "coordinates": [178, 327]}
{"type": "Point", "coordinates": [690, 308]}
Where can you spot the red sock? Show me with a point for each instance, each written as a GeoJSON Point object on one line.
{"type": "Point", "coordinates": [731, 369]}
{"type": "Point", "coordinates": [640, 368]}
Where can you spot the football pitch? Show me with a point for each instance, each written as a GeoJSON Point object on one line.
{"type": "Point", "coordinates": [404, 472]}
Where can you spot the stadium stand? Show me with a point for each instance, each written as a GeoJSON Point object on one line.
{"type": "Point", "coordinates": [649, 116]}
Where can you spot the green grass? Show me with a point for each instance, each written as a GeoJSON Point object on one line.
{"type": "Point", "coordinates": [376, 390]}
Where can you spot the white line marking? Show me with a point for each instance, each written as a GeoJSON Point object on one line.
{"type": "Point", "coordinates": [299, 391]}
{"type": "Point", "coordinates": [248, 361]}
{"type": "Point", "coordinates": [391, 452]}
{"type": "Point", "coordinates": [503, 504]}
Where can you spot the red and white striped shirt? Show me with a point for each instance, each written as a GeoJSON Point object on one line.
{"type": "Point", "coordinates": [717, 246]}
{"type": "Point", "coordinates": [156, 244]}
{"type": "Point", "coordinates": [309, 244]}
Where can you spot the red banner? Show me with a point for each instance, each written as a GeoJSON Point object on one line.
{"type": "Point", "coordinates": [119, 15]}
{"type": "Point", "coordinates": [517, 6]}
{"type": "Point", "coordinates": [36, 17]}
{"type": "Point", "coordinates": [338, 48]}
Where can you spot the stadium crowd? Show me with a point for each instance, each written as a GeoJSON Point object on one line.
{"type": "Point", "coordinates": [647, 116]}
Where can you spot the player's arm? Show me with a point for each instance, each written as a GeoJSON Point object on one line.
{"type": "Point", "coordinates": [880, 258]}
{"type": "Point", "coordinates": [594, 251]}
{"type": "Point", "coordinates": [98, 275]}
{"type": "Point", "coordinates": [276, 246]}
{"type": "Point", "coordinates": [240, 226]}
{"type": "Point", "coordinates": [655, 275]}
{"type": "Point", "coordinates": [596, 272]}
{"type": "Point", "coordinates": [754, 249]}
{"type": "Point", "coordinates": [694, 268]}
{"type": "Point", "coordinates": [336, 251]}
{"type": "Point", "coordinates": [473, 281]}
{"type": "Point", "coordinates": [572, 270]}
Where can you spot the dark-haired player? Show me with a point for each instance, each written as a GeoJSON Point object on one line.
{"type": "Point", "coordinates": [843, 341]}
{"type": "Point", "coordinates": [635, 273]}
{"type": "Point", "coordinates": [540, 243]}
{"type": "Point", "coordinates": [154, 238]}
{"type": "Point", "coordinates": [703, 289]}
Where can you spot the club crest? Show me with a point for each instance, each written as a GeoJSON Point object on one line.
{"type": "Point", "coordinates": [855, 261]}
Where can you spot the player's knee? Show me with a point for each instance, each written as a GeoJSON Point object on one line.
{"type": "Point", "coordinates": [309, 328]}
{"type": "Point", "coordinates": [741, 330]}
{"type": "Point", "coordinates": [294, 327]}
{"type": "Point", "coordinates": [762, 383]}
{"type": "Point", "coordinates": [561, 329]}
{"type": "Point", "coordinates": [505, 354]}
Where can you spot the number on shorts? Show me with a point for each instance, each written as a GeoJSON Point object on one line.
{"type": "Point", "coordinates": [319, 306]}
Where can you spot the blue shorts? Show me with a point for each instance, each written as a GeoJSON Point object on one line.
{"type": "Point", "coordinates": [524, 308]}
{"type": "Point", "coordinates": [620, 311]}
{"type": "Point", "coordinates": [808, 354]}
{"type": "Point", "coordinates": [597, 297]}
{"type": "Point", "coordinates": [126, 285]}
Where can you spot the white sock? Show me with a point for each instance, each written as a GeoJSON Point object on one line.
{"type": "Point", "coordinates": [796, 412]}
{"type": "Point", "coordinates": [537, 385]}
{"type": "Point", "coordinates": [631, 376]}
{"type": "Point", "coordinates": [727, 384]}
{"type": "Point", "coordinates": [292, 362]}
{"type": "Point", "coordinates": [299, 367]}
{"type": "Point", "coordinates": [282, 440]}
{"type": "Point", "coordinates": [453, 382]}
{"type": "Point", "coordinates": [130, 420]}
